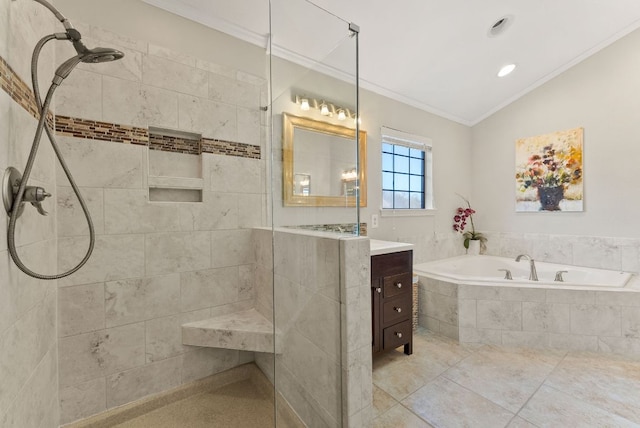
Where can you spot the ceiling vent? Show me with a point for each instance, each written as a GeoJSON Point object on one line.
{"type": "Point", "coordinates": [500, 26]}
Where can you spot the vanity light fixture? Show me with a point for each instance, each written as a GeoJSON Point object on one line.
{"type": "Point", "coordinates": [349, 175]}
{"type": "Point", "coordinates": [507, 69]}
{"type": "Point", "coordinates": [326, 108]}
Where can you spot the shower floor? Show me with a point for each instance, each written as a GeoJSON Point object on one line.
{"type": "Point", "coordinates": [240, 404]}
{"type": "Point", "coordinates": [239, 397]}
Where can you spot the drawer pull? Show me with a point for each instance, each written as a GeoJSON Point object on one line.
{"type": "Point", "coordinates": [379, 290]}
{"type": "Point", "coordinates": [399, 284]}
{"type": "Point", "coordinates": [398, 310]}
{"type": "Point", "coordinates": [397, 333]}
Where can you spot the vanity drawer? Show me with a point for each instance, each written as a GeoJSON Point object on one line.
{"type": "Point", "coordinates": [391, 264]}
{"type": "Point", "coordinates": [397, 309]}
{"type": "Point", "coordinates": [397, 334]}
{"type": "Point", "coordinates": [396, 285]}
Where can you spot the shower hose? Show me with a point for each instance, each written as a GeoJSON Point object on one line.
{"type": "Point", "coordinates": [43, 108]}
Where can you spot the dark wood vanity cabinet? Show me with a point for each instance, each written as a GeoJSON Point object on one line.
{"type": "Point", "coordinates": [392, 301]}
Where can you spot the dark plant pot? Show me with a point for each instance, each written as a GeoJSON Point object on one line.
{"type": "Point", "coordinates": [550, 198]}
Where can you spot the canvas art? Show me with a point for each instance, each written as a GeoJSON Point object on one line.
{"type": "Point", "coordinates": [549, 172]}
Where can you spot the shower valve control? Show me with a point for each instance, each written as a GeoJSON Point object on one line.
{"type": "Point", "coordinates": [33, 194]}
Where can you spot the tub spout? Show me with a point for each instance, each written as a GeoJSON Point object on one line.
{"type": "Point", "coordinates": [533, 274]}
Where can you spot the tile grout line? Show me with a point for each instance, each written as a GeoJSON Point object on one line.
{"type": "Point", "coordinates": [442, 375]}
{"type": "Point", "coordinates": [517, 414]}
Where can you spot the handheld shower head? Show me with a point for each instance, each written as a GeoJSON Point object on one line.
{"type": "Point", "coordinates": [96, 55]}
{"type": "Point", "coordinates": [84, 54]}
{"type": "Point", "coordinates": [91, 56]}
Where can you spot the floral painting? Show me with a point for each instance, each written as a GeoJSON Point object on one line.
{"type": "Point", "coordinates": [549, 172]}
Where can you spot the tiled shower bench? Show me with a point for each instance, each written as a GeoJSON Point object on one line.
{"type": "Point", "coordinates": [246, 331]}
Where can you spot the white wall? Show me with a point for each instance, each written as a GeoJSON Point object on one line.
{"type": "Point", "coordinates": [599, 94]}
{"type": "Point", "coordinates": [431, 234]}
{"type": "Point", "coordinates": [451, 153]}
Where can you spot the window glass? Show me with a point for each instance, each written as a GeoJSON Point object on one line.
{"type": "Point", "coordinates": [401, 182]}
{"type": "Point", "coordinates": [401, 164]}
{"type": "Point", "coordinates": [401, 150]}
{"type": "Point", "coordinates": [404, 177]}
{"type": "Point", "coordinates": [401, 200]}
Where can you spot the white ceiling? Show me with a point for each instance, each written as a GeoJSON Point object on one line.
{"type": "Point", "coordinates": [433, 54]}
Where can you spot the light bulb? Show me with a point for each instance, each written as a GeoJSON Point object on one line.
{"type": "Point", "coordinates": [324, 109]}
{"type": "Point", "coordinates": [304, 104]}
{"type": "Point", "coordinates": [341, 115]}
{"type": "Point", "coordinates": [507, 69]}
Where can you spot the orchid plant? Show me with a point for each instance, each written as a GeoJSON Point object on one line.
{"type": "Point", "coordinates": [460, 222]}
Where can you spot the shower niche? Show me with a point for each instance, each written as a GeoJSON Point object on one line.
{"type": "Point", "coordinates": [175, 166]}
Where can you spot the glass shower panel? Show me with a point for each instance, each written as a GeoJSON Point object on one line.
{"type": "Point", "coordinates": [313, 59]}
{"type": "Point", "coordinates": [313, 206]}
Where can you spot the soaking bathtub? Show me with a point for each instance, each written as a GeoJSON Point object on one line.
{"type": "Point", "coordinates": [490, 269]}
{"type": "Point", "coordinates": [468, 299]}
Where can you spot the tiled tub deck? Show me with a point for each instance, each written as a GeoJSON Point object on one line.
{"type": "Point", "coordinates": [597, 320]}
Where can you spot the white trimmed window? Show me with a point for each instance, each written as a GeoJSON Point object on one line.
{"type": "Point", "coordinates": [406, 171]}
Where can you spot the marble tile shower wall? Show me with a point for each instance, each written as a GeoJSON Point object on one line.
{"type": "Point", "coordinates": [28, 342]}
{"type": "Point", "coordinates": [307, 298]}
{"type": "Point", "coordinates": [155, 265]}
{"type": "Point", "coordinates": [323, 319]}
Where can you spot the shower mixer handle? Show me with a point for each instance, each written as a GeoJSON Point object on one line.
{"type": "Point", "coordinates": [36, 195]}
{"type": "Point", "coordinates": [38, 206]}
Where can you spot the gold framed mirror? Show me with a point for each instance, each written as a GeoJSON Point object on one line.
{"type": "Point", "coordinates": [319, 164]}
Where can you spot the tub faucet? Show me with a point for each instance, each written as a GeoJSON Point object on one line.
{"type": "Point", "coordinates": [533, 275]}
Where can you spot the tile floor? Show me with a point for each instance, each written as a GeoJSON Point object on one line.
{"type": "Point", "coordinates": [446, 384]}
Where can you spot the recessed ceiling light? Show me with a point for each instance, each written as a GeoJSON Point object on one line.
{"type": "Point", "coordinates": [507, 69]}
{"type": "Point", "coordinates": [500, 25]}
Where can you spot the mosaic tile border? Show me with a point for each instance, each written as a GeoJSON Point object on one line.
{"type": "Point", "coordinates": [336, 227]}
{"type": "Point", "coordinates": [103, 131]}
{"type": "Point", "coordinates": [20, 92]}
{"type": "Point", "coordinates": [166, 143]}
{"type": "Point", "coordinates": [230, 148]}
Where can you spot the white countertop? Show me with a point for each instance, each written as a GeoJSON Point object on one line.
{"type": "Point", "coordinates": [386, 247]}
